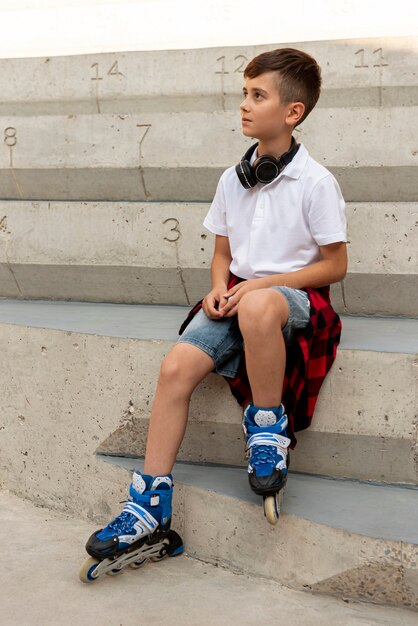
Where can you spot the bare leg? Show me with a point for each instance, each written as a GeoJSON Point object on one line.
{"type": "Point", "coordinates": [261, 315]}
{"type": "Point", "coordinates": [181, 371]}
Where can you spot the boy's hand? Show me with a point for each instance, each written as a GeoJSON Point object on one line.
{"type": "Point", "coordinates": [232, 297]}
{"type": "Point", "coordinates": [214, 301]}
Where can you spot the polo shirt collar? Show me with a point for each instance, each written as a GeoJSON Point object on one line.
{"type": "Point", "coordinates": [296, 166]}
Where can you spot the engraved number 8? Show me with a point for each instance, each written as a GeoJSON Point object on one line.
{"type": "Point", "coordinates": [10, 138]}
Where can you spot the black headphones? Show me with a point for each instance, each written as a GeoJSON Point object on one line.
{"type": "Point", "coordinates": [264, 169]}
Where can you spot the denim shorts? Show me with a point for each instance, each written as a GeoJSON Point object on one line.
{"type": "Point", "coordinates": [222, 339]}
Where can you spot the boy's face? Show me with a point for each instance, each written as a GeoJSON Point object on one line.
{"type": "Point", "coordinates": [263, 116]}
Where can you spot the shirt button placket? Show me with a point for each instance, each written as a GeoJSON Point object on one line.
{"type": "Point", "coordinates": [259, 209]}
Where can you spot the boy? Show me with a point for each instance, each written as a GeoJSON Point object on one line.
{"type": "Point", "coordinates": [280, 228]}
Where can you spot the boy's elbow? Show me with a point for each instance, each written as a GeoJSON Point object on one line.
{"type": "Point", "coordinates": [335, 255]}
{"type": "Point", "coordinates": [344, 264]}
{"type": "Point", "coordinates": [342, 276]}
{"type": "Point", "coordinates": [342, 272]}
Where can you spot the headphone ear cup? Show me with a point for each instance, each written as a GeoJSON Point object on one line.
{"type": "Point", "coordinates": [266, 168]}
{"type": "Point", "coordinates": [246, 174]}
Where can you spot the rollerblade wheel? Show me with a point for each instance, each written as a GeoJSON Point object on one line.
{"type": "Point", "coordinates": [173, 546]}
{"type": "Point", "coordinates": [114, 572]}
{"type": "Point", "coordinates": [138, 564]}
{"type": "Point", "coordinates": [162, 555]}
{"type": "Point", "coordinates": [87, 570]}
{"type": "Point", "coordinates": [272, 508]}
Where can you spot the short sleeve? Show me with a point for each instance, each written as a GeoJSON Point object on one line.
{"type": "Point", "coordinates": [215, 220]}
{"type": "Point", "coordinates": [327, 219]}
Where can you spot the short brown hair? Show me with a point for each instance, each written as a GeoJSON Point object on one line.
{"type": "Point", "coordinates": [299, 75]}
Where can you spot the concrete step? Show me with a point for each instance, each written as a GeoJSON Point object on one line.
{"type": "Point", "coordinates": [382, 273]}
{"type": "Point", "coordinates": [99, 363]}
{"type": "Point", "coordinates": [205, 590]}
{"type": "Point", "coordinates": [351, 539]}
{"type": "Point", "coordinates": [180, 156]}
{"type": "Point", "coordinates": [358, 72]}
{"type": "Point", "coordinates": [159, 253]}
{"type": "Point", "coordinates": [65, 392]}
{"type": "Point", "coordinates": [128, 252]}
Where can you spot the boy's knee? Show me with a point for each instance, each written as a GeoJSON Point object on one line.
{"type": "Point", "coordinates": [171, 366]}
{"type": "Point", "coordinates": [184, 366]}
{"type": "Point", "coordinates": [263, 303]}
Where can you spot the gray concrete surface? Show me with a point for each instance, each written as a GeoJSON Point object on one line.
{"type": "Point", "coordinates": [112, 320]}
{"type": "Point", "coordinates": [359, 294]}
{"type": "Point", "coordinates": [377, 294]}
{"type": "Point", "coordinates": [179, 156]}
{"type": "Point", "coordinates": [357, 72]}
{"type": "Point", "coordinates": [43, 551]}
{"type": "Point", "coordinates": [319, 449]}
{"type": "Point", "coordinates": [148, 321]}
{"type": "Point", "coordinates": [142, 234]}
{"type": "Point", "coordinates": [383, 511]}
{"type": "Point", "coordinates": [64, 393]}
{"type": "Point", "coordinates": [56, 381]}
{"type": "Point", "coordinates": [159, 253]}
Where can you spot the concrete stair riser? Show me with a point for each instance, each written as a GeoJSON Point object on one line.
{"type": "Point", "coordinates": [160, 253]}
{"type": "Point", "coordinates": [361, 435]}
{"type": "Point", "coordinates": [180, 156]}
{"type": "Point", "coordinates": [56, 410]}
{"type": "Point", "coordinates": [377, 294]}
{"type": "Point", "coordinates": [357, 72]}
{"type": "Point", "coordinates": [298, 552]}
{"type": "Point", "coordinates": [66, 375]}
{"type": "Point", "coordinates": [130, 285]}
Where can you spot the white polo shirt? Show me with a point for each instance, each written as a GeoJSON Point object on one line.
{"type": "Point", "coordinates": [278, 227]}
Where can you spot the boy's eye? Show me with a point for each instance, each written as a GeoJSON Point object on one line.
{"type": "Point", "coordinates": [257, 94]}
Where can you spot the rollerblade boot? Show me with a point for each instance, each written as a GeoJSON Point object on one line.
{"type": "Point", "coordinates": [267, 444]}
{"type": "Point", "coordinates": [140, 531]}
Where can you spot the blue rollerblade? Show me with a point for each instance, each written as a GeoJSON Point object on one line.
{"type": "Point", "coordinates": [267, 444]}
{"type": "Point", "coordinates": [141, 531]}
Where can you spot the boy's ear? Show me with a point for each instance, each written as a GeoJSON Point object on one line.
{"type": "Point", "coordinates": [295, 112]}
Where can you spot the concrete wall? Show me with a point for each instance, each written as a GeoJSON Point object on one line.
{"type": "Point", "coordinates": [151, 133]}
{"type": "Point", "coordinates": [160, 253]}
{"type": "Point", "coordinates": [179, 156]}
{"type": "Point", "coordinates": [356, 73]}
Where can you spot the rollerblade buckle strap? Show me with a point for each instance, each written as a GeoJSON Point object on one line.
{"type": "Point", "coordinates": [261, 448]}
{"type": "Point", "coordinates": [141, 514]}
{"type": "Point", "coordinates": [268, 439]}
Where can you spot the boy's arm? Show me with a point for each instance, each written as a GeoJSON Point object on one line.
{"type": "Point", "coordinates": [330, 269]}
{"type": "Point", "coordinates": [220, 262]}
{"type": "Point", "coordinates": [220, 277]}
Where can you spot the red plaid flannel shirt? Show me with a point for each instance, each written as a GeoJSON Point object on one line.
{"type": "Point", "coordinates": [307, 361]}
